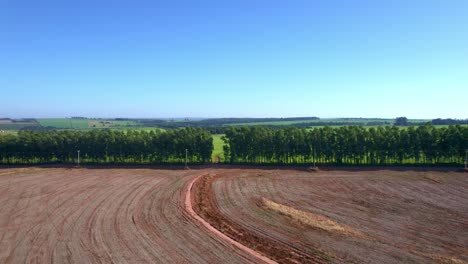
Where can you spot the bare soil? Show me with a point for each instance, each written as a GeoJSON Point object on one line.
{"type": "Point", "coordinates": [139, 215]}
{"type": "Point", "coordinates": [190, 200]}
{"type": "Point", "coordinates": [400, 216]}
{"type": "Point", "coordinates": [103, 216]}
{"type": "Point", "coordinates": [205, 205]}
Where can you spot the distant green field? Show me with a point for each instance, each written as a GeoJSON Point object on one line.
{"type": "Point", "coordinates": [68, 123]}
{"type": "Point", "coordinates": [64, 123]}
{"type": "Point", "coordinates": [15, 126]}
{"type": "Point", "coordinates": [147, 129]}
{"type": "Point", "coordinates": [218, 153]}
{"type": "Point", "coordinates": [139, 128]}
{"type": "Point", "coordinates": [7, 124]}
{"type": "Point", "coordinates": [272, 123]}
{"type": "Point", "coordinates": [104, 123]}
{"type": "Point", "coordinates": [313, 127]}
{"type": "Point", "coordinates": [84, 124]}
{"type": "Point", "coordinates": [356, 121]}
{"type": "Point", "coordinates": [124, 123]}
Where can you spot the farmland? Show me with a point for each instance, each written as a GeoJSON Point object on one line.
{"type": "Point", "coordinates": [218, 153]}
{"type": "Point", "coordinates": [376, 216]}
{"type": "Point", "coordinates": [71, 123]}
{"type": "Point", "coordinates": [214, 125]}
{"type": "Point", "coordinates": [16, 124]}
{"type": "Point", "coordinates": [62, 123]}
{"type": "Point", "coordinates": [324, 121]}
{"type": "Point", "coordinates": [86, 215]}
{"type": "Point", "coordinates": [105, 216]}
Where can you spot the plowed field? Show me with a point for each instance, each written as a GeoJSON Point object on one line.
{"type": "Point", "coordinates": [58, 215]}
{"type": "Point", "coordinates": [377, 216]}
{"type": "Point", "coordinates": [102, 216]}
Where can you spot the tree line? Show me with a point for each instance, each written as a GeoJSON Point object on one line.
{"type": "Point", "coordinates": [107, 146]}
{"type": "Point", "coordinates": [347, 145]}
{"type": "Point", "coordinates": [250, 145]}
{"type": "Point", "coordinates": [449, 121]}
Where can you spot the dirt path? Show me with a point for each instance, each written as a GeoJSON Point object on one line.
{"type": "Point", "coordinates": [210, 228]}
{"type": "Point", "coordinates": [103, 216]}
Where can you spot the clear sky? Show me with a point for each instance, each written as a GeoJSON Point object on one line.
{"type": "Point", "coordinates": [234, 58]}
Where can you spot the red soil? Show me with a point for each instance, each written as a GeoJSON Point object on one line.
{"type": "Point", "coordinates": [403, 216]}
{"type": "Point", "coordinates": [189, 207]}
{"type": "Point", "coordinates": [206, 206]}
{"type": "Point", "coordinates": [103, 216]}
{"type": "Point", "coordinates": [142, 216]}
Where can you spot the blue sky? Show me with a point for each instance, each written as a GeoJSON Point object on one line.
{"type": "Point", "coordinates": [234, 58]}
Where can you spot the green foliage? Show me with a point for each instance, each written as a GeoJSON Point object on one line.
{"type": "Point", "coordinates": [107, 146]}
{"type": "Point", "coordinates": [401, 121]}
{"type": "Point", "coordinates": [347, 145]}
{"type": "Point", "coordinates": [342, 145]}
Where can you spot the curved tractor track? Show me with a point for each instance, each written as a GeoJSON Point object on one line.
{"type": "Point", "coordinates": [57, 215]}
{"type": "Point", "coordinates": [103, 216]}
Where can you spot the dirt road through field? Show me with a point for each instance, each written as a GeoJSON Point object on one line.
{"type": "Point", "coordinates": [210, 228]}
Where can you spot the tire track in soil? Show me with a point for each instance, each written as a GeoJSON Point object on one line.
{"type": "Point", "coordinates": [263, 222]}
{"type": "Point", "coordinates": [392, 208]}
{"type": "Point", "coordinates": [189, 207]}
{"type": "Point", "coordinates": [103, 216]}
{"type": "Point", "coordinates": [205, 205]}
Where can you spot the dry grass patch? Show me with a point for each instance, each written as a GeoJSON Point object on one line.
{"type": "Point", "coordinates": [310, 219]}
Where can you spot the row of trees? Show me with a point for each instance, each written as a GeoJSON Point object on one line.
{"type": "Point", "coordinates": [344, 145]}
{"type": "Point", "coordinates": [347, 145]}
{"type": "Point", "coordinates": [449, 121]}
{"type": "Point", "coordinates": [107, 146]}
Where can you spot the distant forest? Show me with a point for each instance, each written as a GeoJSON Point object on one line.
{"type": "Point", "coordinates": [349, 145]}
{"type": "Point", "coordinates": [449, 121]}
